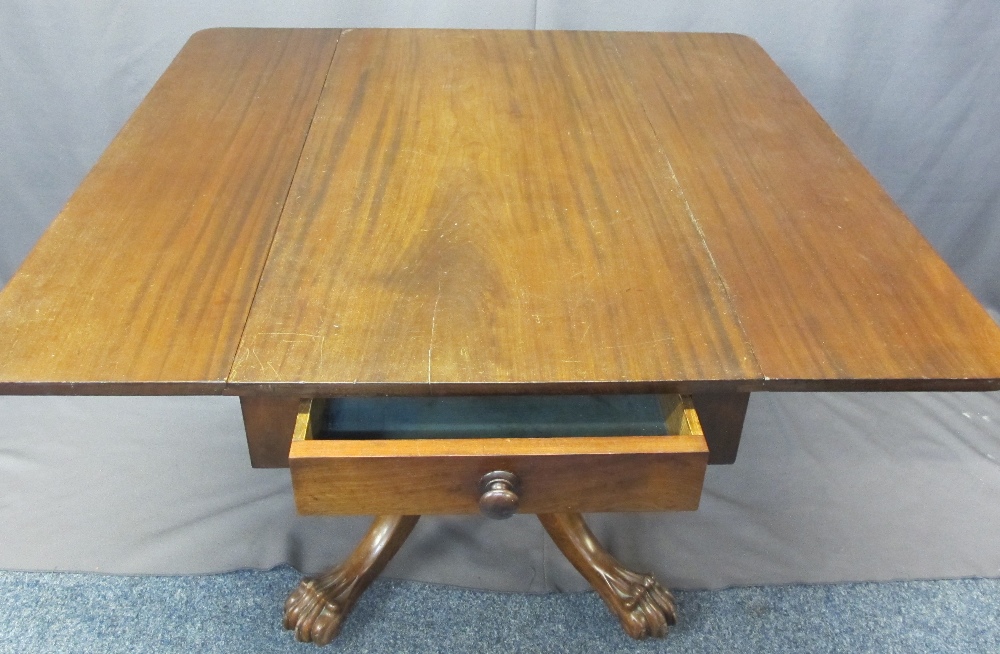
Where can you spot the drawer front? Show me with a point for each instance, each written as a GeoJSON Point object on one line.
{"type": "Point", "coordinates": [555, 474]}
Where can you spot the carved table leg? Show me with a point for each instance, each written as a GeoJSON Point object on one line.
{"type": "Point", "coordinates": [317, 608]}
{"type": "Point", "coordinates": [644, 607]}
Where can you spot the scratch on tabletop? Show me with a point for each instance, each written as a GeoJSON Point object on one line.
{"type": "Point", "coordinates": [259, 362]}
{"type": "Point", "coordinates": [298, 338]}
{"type": "Point", "coordinates": [624, 345]}
{"type": "Point", "coordinates": [430, 346]}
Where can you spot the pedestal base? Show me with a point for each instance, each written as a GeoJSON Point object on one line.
{"type": "Point", "coordinates": [317, 608]}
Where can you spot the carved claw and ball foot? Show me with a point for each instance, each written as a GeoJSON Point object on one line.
{"type": "Point", "coordinates": [644, 607]}
{"type": "Point", "coordinates": [317, 608]}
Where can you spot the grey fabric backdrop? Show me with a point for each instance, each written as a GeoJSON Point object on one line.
{"type": "Point", "coordinates": [827, 487]}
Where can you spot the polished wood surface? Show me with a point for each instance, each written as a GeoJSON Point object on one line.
{"type": "Point", "coordinates": [269, 423]}
{"type": "Point", "coordinates": [643, 606]}
{"type": "Point", "coordinates": [722, 416]}
{"type": "Point", "coordinates": [144, 281]}
{"type": "Point", "coordinates": [483, 212]}
{"type": "Point", "coordinates": [834, 286]}
{"type": "Point", "coordinates": [309, 213]}
{"type": "Point", "coordinates": [317, 608]}
{"type": "Point", "coordinates": [485, 208]}
{"type": "Point", "coordinates": [431, 476]}
{"type": "Point", "coordinates": [536, 212]}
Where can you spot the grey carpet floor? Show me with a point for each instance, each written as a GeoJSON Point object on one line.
{"type": "Point", "coordinates": [241, 612]}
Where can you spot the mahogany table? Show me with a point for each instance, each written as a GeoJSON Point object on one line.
{"type": "Point", "coordinates": [299, 215]}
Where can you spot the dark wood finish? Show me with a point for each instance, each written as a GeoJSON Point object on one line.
{"type": "Point", "coordinates": [627, 473]}
{"type": "Point", "coordinates": [269, 423]}
{"type": "Point", "coordinates": [499, 499]}
{"type": "Point", "coordinates": [485, 211]}
{"type": "Point", "coordinates": [428, 476]}
{"type": "Point", "coordinates": [644, 607]}
{"type": "Point", "coordinates": [144, 281]}
{"type": "Point", "coordinates": [722, 416]}
{"type": "Point", "coordinates": [834, 287]}
{"type": "Point", "coordinates": [318, 607]}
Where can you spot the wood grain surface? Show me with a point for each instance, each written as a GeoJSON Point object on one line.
{"type": "Point", "coordinates": [549, 212]}
{"type": "Point", "coordinates": [485, 211]}
{"type": "Point", "coordinates": [721, 416]}
{"type": "Point", "coordinates": [269, 423]}
{"type": "Point", "coordinates": [328, 480]}
{"type": "Point", "coordinates": [144, 281]}
{"type": "Point", "coordinates": [834, 286]}
{"type": "Point", "coordinates": [429, 475]}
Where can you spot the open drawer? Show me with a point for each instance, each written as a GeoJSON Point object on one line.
{"type": "Point", "coordinates": [433, 458]}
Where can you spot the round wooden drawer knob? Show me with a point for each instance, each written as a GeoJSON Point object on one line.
{"type": "Point", "coordinates": [498, 494]}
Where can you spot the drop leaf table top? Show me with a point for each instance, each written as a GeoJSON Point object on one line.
{"type": "Point", "coordinates": [309, 212]}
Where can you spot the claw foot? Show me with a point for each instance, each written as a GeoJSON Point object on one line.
{"type": "Point", "coordinates": [644, 607]}
{"type": "Point", "coordinates": [316, 609]}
